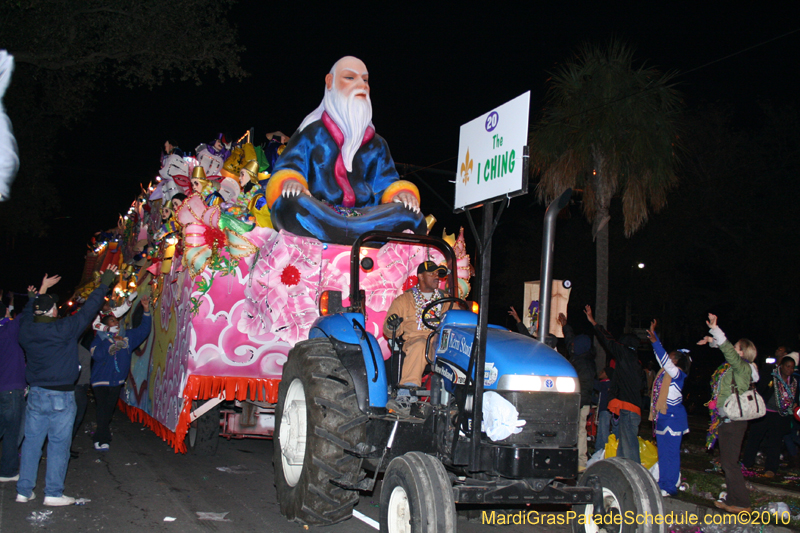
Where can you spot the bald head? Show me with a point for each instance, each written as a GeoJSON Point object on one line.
{"type": "Point", "coordinates": [346, 100]}
{"type": "Point", "coordinates": [349, 75]}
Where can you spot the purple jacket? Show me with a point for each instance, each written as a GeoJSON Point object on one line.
{"type": "Point", "coordinates": [12, 358]}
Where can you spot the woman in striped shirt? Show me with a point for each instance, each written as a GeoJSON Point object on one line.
{"type": "Point", "coordinates": [667, 411]}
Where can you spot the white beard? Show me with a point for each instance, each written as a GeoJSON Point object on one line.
{"type": "Point", "coordinates": [352, 115]}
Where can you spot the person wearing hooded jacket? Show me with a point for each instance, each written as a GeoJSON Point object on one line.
{"type": "Point", "coordinates": [626, 387]}
{"type": "Point", "coordinates": [51, 346]}
{"type": "Point", "coordinates": [111, 356]}
{"type": "Point", "coordinates": [579, 351]}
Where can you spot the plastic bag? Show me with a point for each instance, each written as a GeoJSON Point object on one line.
{"type": "Point", "coordinates": [655, 471]}
{"type": "Point", "coordinates": [611, 446]}
{"type": "Point", "coordinates": [599, 455]}
{"type": "Point", "coordinates": [648, 453]}
{"type": "Point", "coordinates": [500, 417]}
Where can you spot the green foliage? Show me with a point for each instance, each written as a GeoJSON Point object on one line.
{"type": "Point", "coordinates": [65, 51]}
{"type": "Point", "coordinates": [608, 127]}
{"type": "Point", "coordinates": [219, 265]}
{"type": "Point", "coordinates": [139, 42]}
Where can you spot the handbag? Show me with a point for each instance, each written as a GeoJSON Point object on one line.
{"type": "Point", "coordinates": [748, 405]}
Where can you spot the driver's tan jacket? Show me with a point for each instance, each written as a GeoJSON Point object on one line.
{"type": "Point", "coordinates": [415, 337]}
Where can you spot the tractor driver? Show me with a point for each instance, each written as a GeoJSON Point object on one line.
{"type": "Point", "coordinates": [408, 307]}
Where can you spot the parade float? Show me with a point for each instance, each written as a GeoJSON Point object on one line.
{"type": "Point", "coordinates": [233, 291]}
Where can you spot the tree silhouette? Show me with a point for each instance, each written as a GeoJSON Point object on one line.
{"type": "Point", "coordinates": [66, 52]}
{"type": "Point", "coordinates": [608, 128]}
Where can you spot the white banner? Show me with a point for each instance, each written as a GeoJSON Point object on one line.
{"type": "Point", "coordinates": [490, 152]}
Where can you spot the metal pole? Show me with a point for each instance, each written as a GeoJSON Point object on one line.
{"type": "Point", "coordinates": [479, 345]}
{"type": "Point", "coordinates": [548, 245]}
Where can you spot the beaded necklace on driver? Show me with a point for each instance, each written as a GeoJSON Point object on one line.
{"type": "Point", "coordinates": [420, 302]}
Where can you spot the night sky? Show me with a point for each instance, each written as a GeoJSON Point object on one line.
{"type": "Point", "coordinates": [432, 68]}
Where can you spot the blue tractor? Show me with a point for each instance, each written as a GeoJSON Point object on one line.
{"type": "Point", "coordinates": [334, 436]}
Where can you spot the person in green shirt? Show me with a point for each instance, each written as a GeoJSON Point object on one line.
{"type": "Point", "coordinates": [739, 357]}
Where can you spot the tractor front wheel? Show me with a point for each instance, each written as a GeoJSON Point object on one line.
{"type": "Point", "coordinates": [417, 496]}
{"type": "Point", "coordinates": [628, 491]}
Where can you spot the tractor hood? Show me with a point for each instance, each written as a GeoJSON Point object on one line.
{"type": "Point", "coordinates": [513, 361]}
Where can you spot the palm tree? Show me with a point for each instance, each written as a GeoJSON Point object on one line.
{"type": "Point", "coordinates": [608, 128]}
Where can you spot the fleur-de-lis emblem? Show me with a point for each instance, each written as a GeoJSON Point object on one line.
{"type": "Point", "coordinates": [466, 168]}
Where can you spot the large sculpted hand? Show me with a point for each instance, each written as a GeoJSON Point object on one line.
{"type": "Point", "coordinates": [293, 188]}
{"type": "Point", "coordinates": [408, 200]}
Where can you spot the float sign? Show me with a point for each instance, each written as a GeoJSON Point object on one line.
{"type": "Point", "coordinates": [490, 148]}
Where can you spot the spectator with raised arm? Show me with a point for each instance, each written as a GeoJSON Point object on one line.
{"type": "Point", "coordinates": [626, 387]}
{"type": "Point", "coordinates": [51, 345]}
{"type": "Point", "coordinates": [518, 323]}
{"type": "Point", "coordinates": [738, 359]}
{"type": "Point", "coordinates": [111, 356]}
{"type": "Point", "coordinates": [667, 411]}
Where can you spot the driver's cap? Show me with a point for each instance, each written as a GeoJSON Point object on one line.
{"type": "Point", "coordinates": [430, 266]}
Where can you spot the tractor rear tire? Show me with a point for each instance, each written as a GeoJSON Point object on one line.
{"type": "Point", "coordinates": [316, 420]}
{"type": "Point", "coordinates": [417, 496]}
{"type": "Point", "coordinates": [202, 437]}
{"type": "Point", "coordinates": [629, 491]}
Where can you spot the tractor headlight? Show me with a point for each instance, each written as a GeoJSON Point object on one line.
{"type": "Point", "coordinates": [565, 384]}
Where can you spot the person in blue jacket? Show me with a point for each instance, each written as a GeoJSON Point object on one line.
{"type": "Point", "coordinates": [12, 392]}
{"type": "Point", "coordinates": [111, 362]}
{"type": "Point", "coordinates": [51, 347]}
{"type": "Point", "coordinates": [667, 411]}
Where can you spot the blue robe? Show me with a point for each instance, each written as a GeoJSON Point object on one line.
{"type": "Point", "coordinates": [312, 153]}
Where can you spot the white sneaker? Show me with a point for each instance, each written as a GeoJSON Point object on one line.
{"type": "Point", "coordinates": [12, 478]}
{"type": "Point", "coordinates": [101, 447]}
{"type": "Point", "coordinates": [665, 494]}
{"type": "Point", "coordinates": [25, 499]}
{"type": "Point", "coordinates": [58, 501]}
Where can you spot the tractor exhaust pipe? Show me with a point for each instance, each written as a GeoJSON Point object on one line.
{"type": "Point", "coordinates": [548, 245]}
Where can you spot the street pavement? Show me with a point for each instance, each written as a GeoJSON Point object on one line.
{"type": "Point", "coordinates": [140, 483]}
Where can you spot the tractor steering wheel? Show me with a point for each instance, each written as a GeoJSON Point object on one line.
{"type": "Point", "coordinates": [434, 321]}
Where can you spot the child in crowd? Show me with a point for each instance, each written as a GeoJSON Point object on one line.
{"type": "Point", "coordinates": [667, 411]}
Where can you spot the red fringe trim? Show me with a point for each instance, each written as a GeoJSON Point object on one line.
{"type": "Point", "coordinates": [137, 415]}
{"type": "Point", "coordinates": [205, 388]}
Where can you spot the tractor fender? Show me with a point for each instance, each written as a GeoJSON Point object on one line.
{"type": "Point", "coordinates": [360, 354]}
